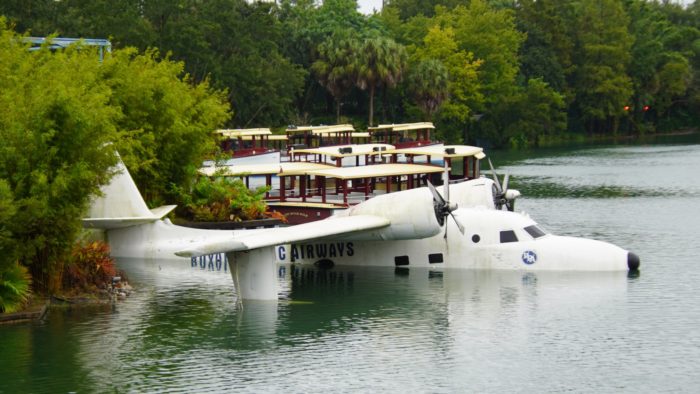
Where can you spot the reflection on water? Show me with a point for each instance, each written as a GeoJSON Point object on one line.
{"type": "Point", "coordinates": [378, 329]}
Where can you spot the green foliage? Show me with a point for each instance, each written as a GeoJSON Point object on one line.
{"type": "Point", "coordinates": [166, 123]}
{"type": "Point", "coordinates": [379, 62]}
{"type": "Point", "coordinates": [600, 54]}
{"type": "Point", "coordinates": [223, 199]}
{"type": "Point", "coordinates": [464, 88]}
{"type": "Point", "coordinates": [531, 114]}
{"type": "Point", "coordinates": [411, 8]}
{"type": "Point", "coordinates": [491, 35]}
{"type": "Point", "coordinates": [55, 124]}
{"type": "Point", "coordinates": [428, 83]}
{"type": "Point", "coordinates": [601, 82]}
{"type": "Point", "coordinates": [335, 66]}
{"type": "Point", "coordinates": [8, 246]}
{"type": "Point", "coordinates": [305, 28]}
{"type": "Point", "coordinates": [547, 51]}
{"type": "Point", "coordinates": [62, 114]}
{"type": "Point", "coordinates": [15, 287]}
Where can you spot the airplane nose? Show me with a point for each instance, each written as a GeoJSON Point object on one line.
{"type": "Point", "coordinates": [632, 261]}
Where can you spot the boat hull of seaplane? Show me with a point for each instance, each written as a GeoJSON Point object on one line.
{"type": "Point", "coordinates": [402, 230]}
{"type": "Point", "coordinates": [411, 228]}
{"type": "Point", "coordinates": [554, 253]}
{"type": "Point", "coordinates": [492, 240]}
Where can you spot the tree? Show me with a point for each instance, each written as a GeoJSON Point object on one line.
{"type": "Point", "coordinates": [659, 73]}
{"type": "Point", "coordinates": [602, 85]}
{"type": "Point", "coordinates": [335, 67]}
{"type": "Point", "coordinates": [63, 114]}
{"type": "Point", "coordinates": [410, 8]}
{"type": "Point", "coordinates": [14, 278]}
{"type": "Point", "coordinates": [235, 46]}
{"type": "Point", "coordinates": [56, 125]}
{"type": "Point", "coordinates": [428, 83]}
{"type": "Point", "coordinates": [380, 63]}
{"type": "Point", "coordinates": [492, 37]}
{"type": "Point", "coordinates": [166, 124]}
{"type": "Point", "coordinates": [547, 51]}
{"type": "Point", "coordinates": [464, 87]}
{"type": "Point", "coordinates": [537, 112]}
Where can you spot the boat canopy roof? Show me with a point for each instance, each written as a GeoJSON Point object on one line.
{"type": "Point", "coordinates": [272, 137]}
{"type": "Point", "coordinates": [347, 150]}
{"type": "Point", "coordinates": [323, 129]}
{"type": "Point", "coordinates": [375, 170]}
{"type": "Point", "coordinates": [235, 133]}
{"type": "Point", "coordinates": [285, 168]}
{"type": "Point", "coordinates": [404, 126]}
{"type": "Point", "coordinates": [448, 151]}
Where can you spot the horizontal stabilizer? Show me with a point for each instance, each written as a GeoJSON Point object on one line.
{"type": "Point", "coordinates": [277, 236]}
{"type": "Point", "coordinates": [112, 223]}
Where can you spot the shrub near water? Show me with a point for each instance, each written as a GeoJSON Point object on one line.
{"type": "Point", "coordinates": [90, 268]}
{"type": "Point", "coordinates": [15, 283]}
{"type": "Point", "coordinates": [223, 199]}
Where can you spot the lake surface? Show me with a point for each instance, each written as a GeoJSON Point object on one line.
{"type": "Point", "coordinates": [381, 330]}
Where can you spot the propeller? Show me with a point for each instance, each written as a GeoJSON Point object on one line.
{"type": "Point", "coordinates": [502, 196]}
{"type": "Point", "coordinates": [442, 206]}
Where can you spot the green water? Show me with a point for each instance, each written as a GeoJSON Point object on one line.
{"type": "Point", "coordinates": [381, 330]}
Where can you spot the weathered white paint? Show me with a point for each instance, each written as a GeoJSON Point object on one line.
{"type": "Point", "coordinates": [397, 227]}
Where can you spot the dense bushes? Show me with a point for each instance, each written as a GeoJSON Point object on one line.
{"type": "Point", "coordinates": [89, 268]}
{"type": "Point", "coordinates": [62, 114]}
{"type": "Point", "coordinates": [222, 199]}
{"type": "Point", "coordinates": [14, 287]}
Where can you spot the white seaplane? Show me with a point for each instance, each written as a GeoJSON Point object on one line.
{"type": "Point", "coordinates": [410, 228]}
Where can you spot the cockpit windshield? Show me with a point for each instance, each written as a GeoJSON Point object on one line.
{"type": "Point", "coordinates": [535, 231]}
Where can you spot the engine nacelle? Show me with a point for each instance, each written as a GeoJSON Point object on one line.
{"type": "Point", "coordinates": [411, 214]}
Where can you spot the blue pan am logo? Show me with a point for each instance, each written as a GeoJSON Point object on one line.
{"type": "Point", "coordinates": [529, 257]}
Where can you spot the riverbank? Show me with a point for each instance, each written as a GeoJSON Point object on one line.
{"type": "Point", "coordinates": [36, 310]}
{"type": "Point", "coordinates": [39, 307]}
{"type": "Point", "coordinates": [594, 139]}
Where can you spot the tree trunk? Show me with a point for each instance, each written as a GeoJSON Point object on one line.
{"type": "Point", "coordinates": [337, 111]}
{"type": "Point", "coordinates": [371, 105]}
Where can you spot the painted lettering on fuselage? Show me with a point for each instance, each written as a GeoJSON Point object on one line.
{"type": "Point", "coordinates": [315, 251]}
{"type": "Point", "coordinates": [211, 262]}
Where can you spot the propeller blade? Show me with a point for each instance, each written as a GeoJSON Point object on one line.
{"type": "Point", "coordinates": [495, 177]}
{"type": "Point", "coordinates": [446, 181]}
{"type": "Point", "coordinates": [436, 195]}
{"type": "Point", "coordinates": [505, 182]}
{"type": "Point", "coordinates": [460, 226]}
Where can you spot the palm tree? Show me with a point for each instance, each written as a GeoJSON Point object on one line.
{"type": "Point", "coordinates": [380, 62]}
{"type": "Point", "coordinates": [428, 83]}
{"type": "Point", "coordinates": [15, 287]}
{"type": "Point", "coordinates": [335, 68]}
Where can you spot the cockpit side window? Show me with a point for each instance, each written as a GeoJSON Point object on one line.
{"type": "Point", "coordinates": [535, 231]}
{"type": "Point", "coordinates": [508, 236]}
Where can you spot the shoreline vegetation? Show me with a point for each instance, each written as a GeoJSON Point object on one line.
{"type": "Point", "coordinates": [521, 74]}
{"type": "Point", "coordinates": [603, 138]}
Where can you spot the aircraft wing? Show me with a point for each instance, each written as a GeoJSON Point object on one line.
{"type": "Point", "coordinates": [332, 226]}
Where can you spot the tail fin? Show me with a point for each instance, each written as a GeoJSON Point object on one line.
{"type": "Point", "coordinates": [121, 204]}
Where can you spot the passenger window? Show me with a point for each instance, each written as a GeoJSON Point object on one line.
{"type": "Point", "coordinates": [535, 231]}
{"type": "Point", "coordinates": [508, 236]}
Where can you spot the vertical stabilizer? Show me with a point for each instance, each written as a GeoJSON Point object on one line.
{"type": "Point", "coordinates": [121, 204]}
